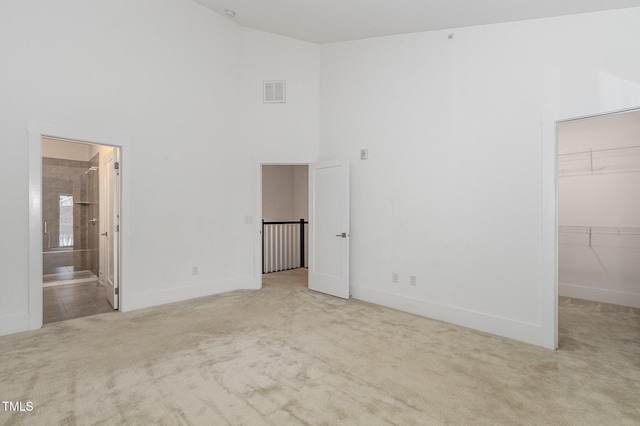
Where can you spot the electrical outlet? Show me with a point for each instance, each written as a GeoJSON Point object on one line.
{"type": "Point", "coordinates": [412, 280]}
{"type": "Point", "coordinates": [195, 270]}
{"type": "Point", "coordinates": [248, 220]}
{"type": "Point", "coordinates": [395, 277]}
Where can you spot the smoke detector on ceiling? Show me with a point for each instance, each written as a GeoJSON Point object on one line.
{"type": "Point", "coordinates": [274, 92]}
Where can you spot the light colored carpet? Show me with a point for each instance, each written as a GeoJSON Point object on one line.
{"type": "Point", "coordinates": [286, 355]}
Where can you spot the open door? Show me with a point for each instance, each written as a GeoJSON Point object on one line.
{"type": "Point", "coordinates": [112, 232]}
{"type": "Point", "coordinates": [329, 227]}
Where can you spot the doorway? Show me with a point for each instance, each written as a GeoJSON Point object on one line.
{"type": "Point", "coordinates": [328, 227]}
{"type": "Point", "coordinates": [598, 209]}
{"type": "Point", "coordinates": [552, 116]}
{"type": "Point", "coordinates": [77, 193]}
{"type": "Point", "coordinates": [284, 223]}
{"type": "Point", "coordinates": [37, 131]}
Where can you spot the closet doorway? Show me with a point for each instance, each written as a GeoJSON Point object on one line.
{"type": "Point", "coordinates": [80, 208]}
{"type": "Point", "coordinates": [599, 210]}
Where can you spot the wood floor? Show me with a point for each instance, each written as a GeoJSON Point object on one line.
{"type": "Point", "coordinates": [69, 301]}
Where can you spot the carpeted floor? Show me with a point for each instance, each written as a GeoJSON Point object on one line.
{"type": "Point", "coordinates": [286, 355]}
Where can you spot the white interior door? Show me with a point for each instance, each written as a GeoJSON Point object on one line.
{"type": "Point", "coordinates": [329, 227]}
{"type": "Point", "coordinates": [112, 232]}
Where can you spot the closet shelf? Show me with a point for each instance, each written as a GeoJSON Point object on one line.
{"type": "Point", "coordinates": [585, 234]}
{"type": "Point", "coordinates": [608, 230]}
{"type": "Point", "coordinates": [600, 159]}
{"type": "Point", "coordinates": [613, 150]}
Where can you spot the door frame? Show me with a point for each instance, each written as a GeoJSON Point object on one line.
{"type": "Point", "coordinates": [551, 117]}
{"type": "Point", "coordinates": [37, 130]}
{"type": "Point", "coordinates": [257, 215]}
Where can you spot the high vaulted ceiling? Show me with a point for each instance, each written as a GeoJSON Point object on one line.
{"type": "Point", "coordinates": [326, 21]}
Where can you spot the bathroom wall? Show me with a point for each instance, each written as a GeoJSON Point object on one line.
{"type": "Point", "coordinates": [93, 211]}
{"type": "Point", "coordinates": [55, 148]}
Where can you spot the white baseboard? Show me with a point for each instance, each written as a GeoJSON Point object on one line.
{"type": "Point", "coordinates": [162, 297]}
{"type": "Point", "coordinates": [614, 297]}
{"type": "Point", "coordinates": [504, 327]}
{"type": "Point", "coordinates": [14, 323]}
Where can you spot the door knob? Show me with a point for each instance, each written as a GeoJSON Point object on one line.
{"type": "Point", "coordinates": [104, 234]}
{"type": "Point", "coordinates": [343, 235]}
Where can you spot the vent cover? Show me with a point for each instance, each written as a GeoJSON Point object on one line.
{"type": "Point", "coordinates": [274, 92]}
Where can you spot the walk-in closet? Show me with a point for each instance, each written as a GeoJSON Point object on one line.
{"type": "Point", "coordinates": [599, 209]}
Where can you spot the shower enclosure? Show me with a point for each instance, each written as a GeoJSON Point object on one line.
{"type": "Point", "coordinates": [70, 237]}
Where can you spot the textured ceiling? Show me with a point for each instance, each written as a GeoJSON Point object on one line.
{"type": "Point", "coordinates": [326, 21]}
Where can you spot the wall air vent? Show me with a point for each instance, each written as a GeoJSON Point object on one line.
{"type": "Point", "coordinates": [274, 92]}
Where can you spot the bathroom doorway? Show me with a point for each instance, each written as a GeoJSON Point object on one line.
{"type": "Point", "coordinates": [77, 251]}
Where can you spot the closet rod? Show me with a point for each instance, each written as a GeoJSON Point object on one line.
{"type": "Point", "coordinates": [593, 151]}
{"type": "Point", "coordinates": [605, 230]}
{"type": "Point", "coordinates": [589, 231]}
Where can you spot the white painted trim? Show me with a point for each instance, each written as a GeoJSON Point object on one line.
{"type": "Point", "coordinates": [37, 130]}
{"type": "Point", "coordinates": [178, 294]}
{"type": "Point", "coordinates": [615, 297]}
{"type": "Point", "coordinates": [499, 326]}
{"type": "Point", "coordinates": [550, 117]}
{"type": "Point", "coordinates": [34, 313]}
{"type": "Point", "coordinates": [549, 237]}
{"type": "Point", "coordinates": [257, 216]}
{"type": "Point", "coordinates": [14, 323]}
{"type": "Point", "coordinates": [257, 229]}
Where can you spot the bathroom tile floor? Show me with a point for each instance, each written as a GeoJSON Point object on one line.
{"type": "Point", "coordinates": [69, 301]}
{"type": "Point", "coordinates": [62, 273]}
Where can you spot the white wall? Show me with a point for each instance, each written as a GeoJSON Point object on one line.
{"type": "Point", "coordinates": [285, 192]}
{"type": "Point", "coordinates": [277, 193]}
{"type": "Point", "coordinates": [283, 132]}
{"type": "Point", "coordinates": [170, 74]}
{"type": "Point", "coordinates": [608, 270]}
{"type": "Point", "coordinates": [452, 191]}
{"type": "Point", "coordinates": [301, 192]}
{"type": "Point", "coordinates": [53, 148]}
